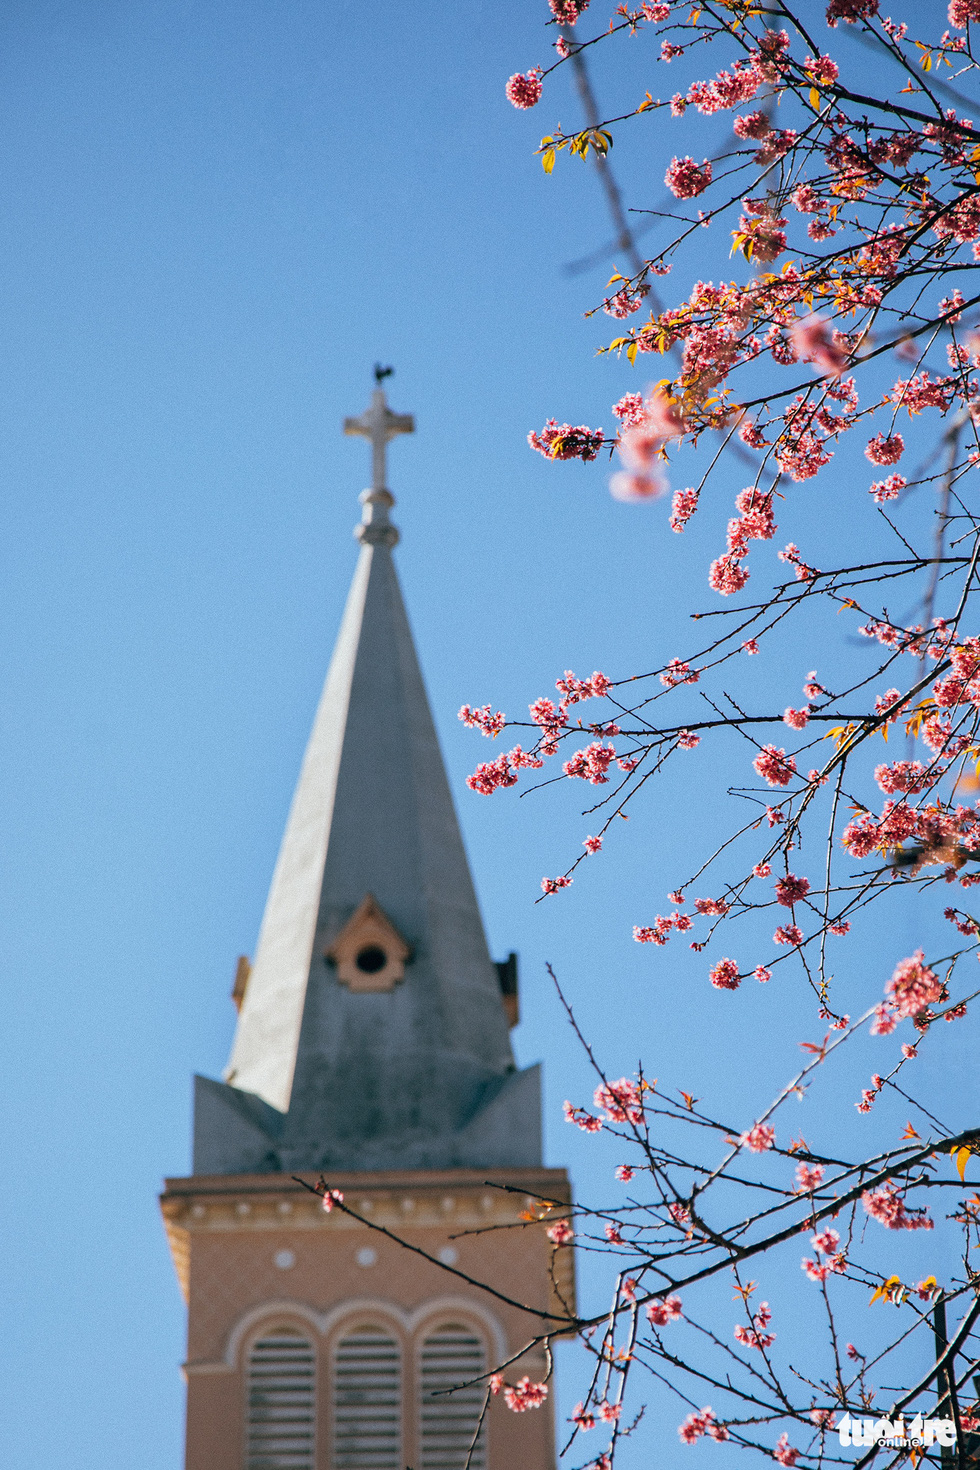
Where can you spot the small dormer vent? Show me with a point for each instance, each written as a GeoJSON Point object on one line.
{"type": "Point", "coordinates": [369, 952]}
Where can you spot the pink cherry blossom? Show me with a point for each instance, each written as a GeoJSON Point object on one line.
{"type": "Point", "coordinates": [826, 1242]}
{"type": "Point", "coordinates": [630, 486]}
{"type": "Point", "coordinates": [887, 1206]}
{"type": "Point", "coordinates": [525, 90]}
{"type": "Point", "coordinates": [791, 890]}
{"type": "Point", "coordinates": [567, 12]}
{"type": "Point", "coordinates": [756, 1335]}
{"type": "Point", "coordinates": [482, 719]}
{"type": "Point", "coordinates": [726, 575]}
{"type": "Point", "coordinates": [560, 1233]}
{"type": "Point", "coordinates": [810, 336]}
{"type": "Point", "coordinates": [752, 125]}
{"type": "Point", "coordinates": [887, 489]}
{"type": "Point", "coordinates": [815, 1270]}
{"type": "Point", "coordinates": [762, 974]}
{"type": "Point", "coordinates": [808, 1178]}
{"type": "Point", "coordinates": [562, 441]}
{"type": "Point", "coordinates": [850, 11]}
{"type": "Point", "coordinates": [629, 409]}
{"type": "Point", "coordinates": [775, 766]}
{"type": "Point", "coordinates": [660, 1313]}
{"type": "Point", "coordinates": [913, 986]}
{"type": "Point", "coordinates": [592, 763]}
{"type": "Point", "coordinates": [758, 1138]}
{"type": "Point", "coordinates": [621, 1101]}
{"type": "Point", "coordinates": [711, 906]}
{"type": "Point", "coordinates": [685, 179]}
{"type": "Point", "coordinates": [683, 506]}
{"type": "Point", "coordinates": [525, 1395]}
{"type": "Point", "coordinates": [962, 12]}
{"type": "Point", "coordinates": [678, 672]}
{"type": "Point", "coordinates": [698, 1424]}
{"type": "Point", "coordinates": [784, 1452]}
{"type": "Point", "coordinates": [885, 448]}
{"type": "Point", "coordinates": [725, 976]}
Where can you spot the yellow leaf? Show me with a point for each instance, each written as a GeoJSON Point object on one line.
{"type": "Point", "coordinates": [887, 1291]}
{"type": "Point", "coordinates": [814, 99]}
{"type": "Point", "coordinates": [631, 352]}
{"type": "Point", "coordinates": [647, 102]}
{"type": "Point", "coordinates": [616, 277]}
{"type": "Point", "coordinates": [548, 160]}
{"type": "Point", "coordinates": [962, 1158]}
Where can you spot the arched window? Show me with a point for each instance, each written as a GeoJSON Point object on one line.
{"type": "Point", "coordinates": [447, 1421]}
{"type": "Point", "coordinates": [281, 1407]}
{"type": "Point", "coordinates": [367, 1401]}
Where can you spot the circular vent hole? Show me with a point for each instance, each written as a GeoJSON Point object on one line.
{"type": "Point", "coordinates": [371, 959]}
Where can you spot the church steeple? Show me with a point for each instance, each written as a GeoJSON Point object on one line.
{"type": "Point", "coordinates": [371, 1032]}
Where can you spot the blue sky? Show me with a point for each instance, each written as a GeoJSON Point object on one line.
{"type": "Point", "coordinates": [214, 217]}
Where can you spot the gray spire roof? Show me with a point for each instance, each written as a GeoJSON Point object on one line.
{"type": "Point", "coordinates": [371, 1033]}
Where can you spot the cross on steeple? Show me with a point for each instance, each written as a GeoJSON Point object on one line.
{"type": "Point", "coordinates": [379, 425]}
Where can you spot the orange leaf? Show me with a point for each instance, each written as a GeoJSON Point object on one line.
{"type": "Point", "coordinates": [909, 1132]}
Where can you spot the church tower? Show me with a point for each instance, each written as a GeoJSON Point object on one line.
{"type": "Point", "coordinates": [372, 1052]}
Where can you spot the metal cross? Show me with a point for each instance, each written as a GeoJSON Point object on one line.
{"type": "Point", "coordinates": [379, 425]}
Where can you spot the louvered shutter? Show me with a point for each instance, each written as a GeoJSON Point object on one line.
{"type": "Point", "coordinates": [281, 1407]}
{"type": "Point", "coordinates": [453, 1354]}
{"type": "Point", "coordinates": [367, 1401]}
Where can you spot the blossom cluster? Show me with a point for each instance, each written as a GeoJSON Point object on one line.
{"type": "Point", "coordinates": [755, 1335]}
{"type": "Point", "coordinates": [888, 1207]}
